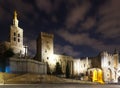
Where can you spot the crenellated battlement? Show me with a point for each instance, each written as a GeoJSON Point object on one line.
{"type": "Point", "coordinates": [43, 34]}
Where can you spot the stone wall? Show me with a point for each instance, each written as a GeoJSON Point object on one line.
{"type": "Point", "coordinates": [27, 66]}
{"type": "Point", "coordinates": [81, 66]}
{"type": "Point", "coordinates": [63, 60]}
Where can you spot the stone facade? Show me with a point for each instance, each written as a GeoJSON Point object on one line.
{"type": "Point", "coordinates": [110, 66]}
{"type": "Point", "coordinates": [105, 62]}
{"type": "Point", "coordinates": [63, 60]}
{"type": "Point", "coordinates": [81, 66]}
{"type": "Point", "coordinates": [45, 47]}
{"type": "Point", "coordinates": [27, 66]}
{"type": "Point", "coordinates": [45, 53]}
{"type": "Point", "coordinates": [108, 63]}
{"type": "Point", "coordinates": [16, 37]}
{"type": "Point", "coordinates": [19, 63]}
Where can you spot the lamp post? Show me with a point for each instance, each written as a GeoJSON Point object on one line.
{"type": "Point", "coordinates": [25, 50]}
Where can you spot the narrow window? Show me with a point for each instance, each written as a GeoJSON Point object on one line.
{"type": "Point", "coordinates": [14, 34]}
{"type": "Point", "coordinates": [14, 39]}
{"type": "Point", "coordinates": [18, 40]}
{"type": "Point", "coordinates": [45, 51]}
{"type": "Point", "coordinates": [18, 35]}
{"type": "Point", "coordinates": [109, 62]}
{"type": "Point", "coordinates": [84, 65]}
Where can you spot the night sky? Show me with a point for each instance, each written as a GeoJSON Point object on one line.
{"type": "Point", "coordinates": [81, 27]}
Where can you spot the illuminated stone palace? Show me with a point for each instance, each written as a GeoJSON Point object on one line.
{"type": "Point", "coordinates": [104, 67]}
{"type": "Point", "coordinates": [45, 53]}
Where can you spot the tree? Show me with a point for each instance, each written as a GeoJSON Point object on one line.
{"type": "Point", "coordinates": [48, 68]}
{"type": "Point", "coordinates": [8, 53]}
{"type": "Point", "coordinates": [67, 71]}
{"type": "Point", "coordinates": [4, 59]}
{"type": "Point", "coordinates": [58, 69]}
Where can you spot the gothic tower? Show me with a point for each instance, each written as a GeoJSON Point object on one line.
{"type": "Point", "coordinates": [116, 59]}
{"type": "Point", "coordinates": [45, 47]}
{"type": "Point", "coordinates": [16, 36]}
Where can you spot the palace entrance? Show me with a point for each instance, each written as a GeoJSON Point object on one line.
{"type": "Point", "coordinates": [109, 75]}
{"type": "Point", "coordinates": [96, 75]}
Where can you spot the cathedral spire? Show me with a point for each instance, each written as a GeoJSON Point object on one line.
{"type": "Point", "coordinates": [15, 20]}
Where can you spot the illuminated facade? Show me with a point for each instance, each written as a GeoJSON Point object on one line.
{"type": "Point", "coordinates": [95, 75]}
{"type": "Point", "coordinates": [105, 63]}
{"type": "Point", "coordinates": [16, 37]}
{"type": "Point", "coordinates": [22, 64]}
{"type": "Point", "coordinates": [103, 68]}
{"type": "Point", "coordinates": [110, 66]}
{"type": "Point", "coordinates": [81, 66]}
{"type": "Point", "coordinates": [45, 53]}
{"type": "Point", "coordinates": [18, 63]}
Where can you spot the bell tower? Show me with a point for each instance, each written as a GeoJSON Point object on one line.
{"type": "Point", "coordinates": [16, 36]}
{"type": "Point", "coordinates": [45, 47]}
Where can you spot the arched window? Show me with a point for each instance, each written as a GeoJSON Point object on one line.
{"type": "Point", "coordinates": [18, 35]}
{"type": "Point", "coordinates": [14, 39]}
{"type": "Point", "coordinates": [18, 40]}
{"type": "Point", "coordinates": [45, 51]}
{"type": "Point", "coordinates": [109, 62]}
{"type": "Point", "coordinates": [84, 65]}
{"type": "Point", "coordinates": [14, 34]}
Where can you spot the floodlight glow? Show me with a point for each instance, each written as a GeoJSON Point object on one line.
{"type": "Point", "coordinates": [77, 67]}
{"type": "Point", "coordinates": [52, 61]}
{"type": "Point", "coordinates": [7, 69]}
{"type": "Point", "coordinates": [97, 76]}
{"type": "Point", "coordinates": [118, 72]}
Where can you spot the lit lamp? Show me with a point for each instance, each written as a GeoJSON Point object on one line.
{"type": "Point", "coordinates": [25, 50]}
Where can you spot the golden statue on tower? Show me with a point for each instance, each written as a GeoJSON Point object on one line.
{"type": "Point", "coordinates": [15, 14]}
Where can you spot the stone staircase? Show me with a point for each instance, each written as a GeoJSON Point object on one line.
{"type": "Point", "coordinates": [5, 76]}
{"type": "Point", "coordinates": [28, 78]}
{"type": "Point", "coordinates": [33, 78]}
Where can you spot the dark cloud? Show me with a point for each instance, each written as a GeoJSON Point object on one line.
{"type": "Point", "coordinates": [93, 23]}
{"type": "Point", "coordinates": [67, 50]}
{"type": "Point", "coordinates": [48, 6]}
{"type": "Point", "coordinates": [109, 24]}
{"type": "Point", "coordinates": [85, 39]}
{"type": "Point", "coordinates": [88, 24]}
{"type": "Point", "coordinates": [4, 15]}
{"type": "Point", "coordinates": [77, 14]}
{"type": "Point", "coordinates": [31, 46]}
{"type": "Point", "coordinates": [25, 10]}
{"type": "Point", "coordinates": [44, 5]}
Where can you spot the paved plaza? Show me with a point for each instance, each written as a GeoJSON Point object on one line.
{"type": "Point", "coordinates": [61, 86]}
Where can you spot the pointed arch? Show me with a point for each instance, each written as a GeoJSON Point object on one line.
{"type": "Point", "coordinates": [109, 74]}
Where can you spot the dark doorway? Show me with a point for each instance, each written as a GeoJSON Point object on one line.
{"type": "Point", "coordinates": [119, 79]}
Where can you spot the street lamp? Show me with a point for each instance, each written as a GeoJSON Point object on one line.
{"type": "Point", "coordinates": [25, 50]}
